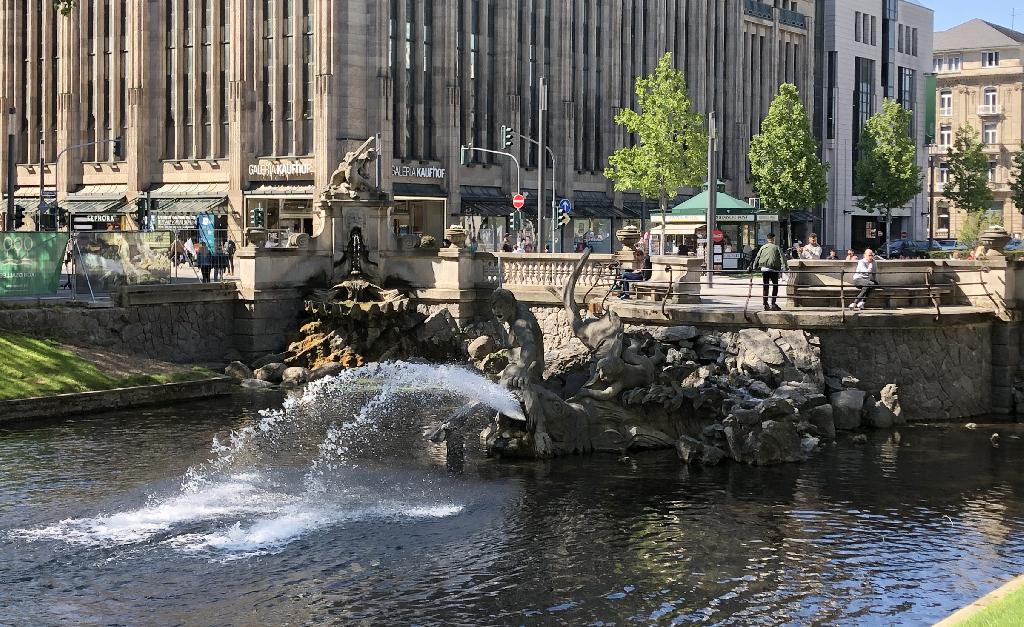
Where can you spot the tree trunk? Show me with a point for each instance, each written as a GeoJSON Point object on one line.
{"type": "Point", "coordinates": [664, 219]}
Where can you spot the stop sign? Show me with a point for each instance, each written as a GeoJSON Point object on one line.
{"type": "Point", "coordinates": [519, 201]}
{"type": "Point", "coordinates": [717, 236]}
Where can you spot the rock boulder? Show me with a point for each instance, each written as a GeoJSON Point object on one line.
{"type": "Point", "coordinates": [294, 377]}
{"type": "Point", "coordinates": [238, 370]}
{"type": "Point", "coordinates": [847, 406]}
{"type": "Point", "coordinates": [271, 373]}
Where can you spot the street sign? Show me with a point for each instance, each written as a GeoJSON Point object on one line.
{"type": "Point", "coordinates": [717, 236]}
{"type": "Point", "coordinates": [49, 193]}
{"type": "Point", "coordinates": [566, 206]}
{"type": "Point", "coordinates": [519, 201]}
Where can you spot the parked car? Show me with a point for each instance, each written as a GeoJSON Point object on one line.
{"type": "Point", "coordinates": [906, 248]}
{"type": "Point", "coordinates": [1015, 244]}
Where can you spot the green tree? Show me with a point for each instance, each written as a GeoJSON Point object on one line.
{"type": "Point", "coordinates": [1017, 180]}
{"type": "Point", "coordinates": [784, 163]}
{"type": "Point", "coordinates": [973, 225]}
{"type": "Point", "coordinates": [671, 149]}
{"type": "Point", "coordinates": [967, 182]}
{"type": "Point", "coordinates": [887, 174]}
{"type": "Point", "coordinates": [64, 6]}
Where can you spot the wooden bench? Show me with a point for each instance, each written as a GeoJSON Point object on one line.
{"type": "Point", "coordinates": [882, 296]}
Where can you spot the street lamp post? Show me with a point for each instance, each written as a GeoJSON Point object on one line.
{"type": "Point", "coordinates": [931, 199]}
{"type": "Point", "coordinates": [542, 107]}
{"type": "Point", "coordinates": [12, 118]}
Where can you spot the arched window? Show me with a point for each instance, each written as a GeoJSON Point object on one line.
{"type": "Point", "coordinates": [990, 100]}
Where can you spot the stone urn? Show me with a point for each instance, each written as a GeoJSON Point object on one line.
{"type": "Point", "coordinates": [256, 237]}
{"type": "Point", "coordinates": [994, 239]}
{"type": "Point", "coordinates": [456, 234]}
{"type": "Point", "coordinates": [629, 236]}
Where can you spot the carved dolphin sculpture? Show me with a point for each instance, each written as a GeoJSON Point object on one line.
{"type": "Point", "coordinates": [603, 336]}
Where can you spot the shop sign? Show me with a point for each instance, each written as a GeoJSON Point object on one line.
{"type": "Point", "coordinates": [175, 222]}
{"type": "Point", "coordinates": [418, 172]}
{"type": "Point", "coordinates": [280, 170]}
{"type": "Point", "coordinates": [747, 217]}
{"type": "Point", "coordinates": [97, 217]}
{"type": "Point", "coordinates": [30, 263]}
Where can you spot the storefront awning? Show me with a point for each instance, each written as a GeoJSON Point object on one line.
{"type": "Point", "coordinates": [190, 206]}
{"type": "Point", "coordinates": [96, 199]}
{"type": "Point", "coordinates": [487, 202]}
{"type": "Point", "coordinates": [412, 191]}
{"type": "Point", "coordinates": [678, 229]}
{"type": "Point", "coordinates": [595, 205]}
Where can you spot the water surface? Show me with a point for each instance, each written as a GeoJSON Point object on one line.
{"type": "Point", "coordinates": [123, 518]}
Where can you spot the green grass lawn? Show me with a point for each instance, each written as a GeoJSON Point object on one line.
{"type": "Point", "coordinates": [1006, 611]}
{"type": "Point", "coordinates": [33, 367]}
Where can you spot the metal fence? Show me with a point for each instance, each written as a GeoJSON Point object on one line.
{"type": "Point", "coordinates": [103, 261]}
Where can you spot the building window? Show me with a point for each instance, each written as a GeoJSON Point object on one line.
{"type": "Point", "coordinates": [906, 93]}
{"type": "Point", "coordinates": [863, 98]}
{"type": "Point", "coordinates": [991, 171]}
{"type": "Point", "coordinates": [937, 64]}
{"type": "Point", "coordinates": [946, 102]}
{"type": "Point", "coordinates": [913, 39]}
{"type": "Point", "coordinates": [307, 79]}
{"type": "Point", "coordinates": [945, 135]}
{"type": "Point", "coordinates": [943, 175]}
{"type": "Point", "coordinates": [899, 38]}
{"type": "Point", "coordinates": [990, 101]}
{"type": "Point", "coordinates": [991, 134]}
{"type": "Point", "coordinates": [953, 64]}
{"type": "Point", "coordinates": [874, 27]}
{"type": "Point", "coordinates": [989, 59]}
{"type": "Point", "coordinates": [995, 212]}
{"type": "Point", "coordinates": [268, 92]}
{"type": "Point", "coordinates": [857, 29]}
{"type": "Point", "coordinates": [943, 221]}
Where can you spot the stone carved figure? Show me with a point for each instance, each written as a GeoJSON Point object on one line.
{"type": "Point", "coordinates": [615, 367]}
{"type": "Point", "coordinates": [526, 341]}
{"type": "Point", "coordinates": [352, 178]}
{"type": "Point", "coordinates": [356, 252]}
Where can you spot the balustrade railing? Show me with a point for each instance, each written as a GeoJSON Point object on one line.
{"type": "Point", "coordinates": [547, 270]}
{"type": "Point", "coordinates": [758, 9]}
{"type": "Point", "coordinates": [792, 18]}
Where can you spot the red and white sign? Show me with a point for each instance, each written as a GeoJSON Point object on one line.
{"type": "Point", "coordinates": [519, 201]}
{"type": "Point", "coordinates": [717, 236]}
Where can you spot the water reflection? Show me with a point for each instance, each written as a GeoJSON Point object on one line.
{"type": "Point", "coordinates": [897, 531]}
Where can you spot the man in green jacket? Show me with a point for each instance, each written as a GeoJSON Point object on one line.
{"type": "Point", "coordinates": [769, 261]}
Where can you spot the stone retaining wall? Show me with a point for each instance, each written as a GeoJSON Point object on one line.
{"type": "Point", "coordinates": [176, 332]}
{"type": "Point", "coordinates": [61, 405]}
{"type": "Point", "coordinates": [943, 372]}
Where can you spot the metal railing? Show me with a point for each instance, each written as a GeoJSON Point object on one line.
{"type": "Point", "coordinates": [758, 9]}
{"type": "Point", "coordinates": [792, 18]}
{"type": "Point", "coordinates": [931, 287]}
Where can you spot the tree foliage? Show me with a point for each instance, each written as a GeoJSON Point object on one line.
{"type": "Point", "coordinates": [1017, 180]}
{"type": "Point", "coordinates": [887, 173]}
{"type": "Point", "coordinates": [973, 225]}
{"type": "Point", "coordinates": [967, 183]}
{"type": "Point", "coordinates": [64, 6]}
{"type": "Point", "coordinates": [671, 149]}
{"type": "Point", "coordinates": [787, 173]}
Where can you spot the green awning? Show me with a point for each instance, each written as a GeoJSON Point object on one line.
{"type": "Point", "coordinates": [698, 205]}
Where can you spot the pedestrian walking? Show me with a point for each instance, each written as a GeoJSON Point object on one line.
{"type": "Point", "coordinates": [769, 260]}
{"type": "Point", "coordinates": [204, 259]}
{"type": "Point", "coordinates": [866, 278]}
{"type": "Point", "coordinates": [231, 248]}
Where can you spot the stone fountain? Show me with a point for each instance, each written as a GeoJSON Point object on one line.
{"type": "Point", "coordinates": [748, 396]}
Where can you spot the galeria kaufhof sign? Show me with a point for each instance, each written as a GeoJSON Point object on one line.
{"type": "Point", "coordinates": [30, 262]}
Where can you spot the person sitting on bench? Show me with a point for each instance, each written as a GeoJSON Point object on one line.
{"type": "Point", "coordinates": [866, 278]}
{"type": "Point", "coordinates": [642, 260]}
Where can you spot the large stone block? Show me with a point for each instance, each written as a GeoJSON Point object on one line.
{"type": "Point", "coordinates": [847, 406]}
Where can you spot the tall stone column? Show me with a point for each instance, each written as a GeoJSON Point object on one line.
{"type": "Point", "coordinates": [145, 87]}
{"type": "Point", "coordinates": [243, 69]}
{"type": "Point", "coordinates": [6, 87]}
{"type": "Point", "coordinates": [325, 110]}
{"type": "Point", "coordinates": [70, 87]}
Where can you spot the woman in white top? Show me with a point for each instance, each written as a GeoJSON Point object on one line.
{"type": "Point", "coordinates": [866, 278]}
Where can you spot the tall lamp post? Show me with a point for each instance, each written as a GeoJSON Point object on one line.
{"type": "Point", "coordinates": [931, 197]}
{"type": "Point", "coordinates": [12, 117]}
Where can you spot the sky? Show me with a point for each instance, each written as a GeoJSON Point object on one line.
{"type": "Point", "coordinates": [949, 13]}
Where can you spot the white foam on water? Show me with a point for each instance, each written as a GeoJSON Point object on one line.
{"type": "Point", "coordinates": [273, 533]}
{"type": "Point", "coordinates": [239, 508]}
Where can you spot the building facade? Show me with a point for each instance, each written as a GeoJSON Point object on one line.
{"type": "Point", "coordinates": [243, 108]}
{"type": "Point", "coordinates": [871, 50]}
{"type": "Point", "coordinates": [980, 75]}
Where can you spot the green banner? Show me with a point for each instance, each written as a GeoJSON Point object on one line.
{"type": "Point", "coordinates": [30, 262]}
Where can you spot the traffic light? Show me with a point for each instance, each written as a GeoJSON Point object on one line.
{"type": "Point", "coordinates": [516, 221]}
{"type": "Point", "coordinates": [507, 135]}
{"type": "Point", "coordinates": [118, 149]}
{"type": "Point", "coordinates": [62, 218]}
{"type": "Point", "coordinates": [564, 219]}
{"type": "Point", "coordinates": [19, 217]}
{"type": "Point", "coordinates": [466, 155]}
{"type": "Point", "coordinates": [142, 213]}
{"type": "Point", "coordinates": [258, 217]}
